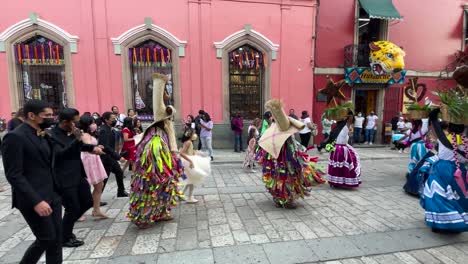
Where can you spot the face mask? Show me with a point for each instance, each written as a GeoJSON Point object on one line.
{"type": "Point", "coordinates": [93, 128]}
{"type": "Point", "coordinates": [46, 123]}
{"type": "Point", "coordinates": [194, 137]}
{"type": "Point", "coordinates": [359, 115]}
{"type": "Point", "coordinates": [95, 117]}
{"type": "Point", "coordinates": [114, 123]}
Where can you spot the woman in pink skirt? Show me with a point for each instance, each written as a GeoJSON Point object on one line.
{"type": "Point", "coordinates": [95, 172]}
{"type": "Point", "coordinates": [344, 167]}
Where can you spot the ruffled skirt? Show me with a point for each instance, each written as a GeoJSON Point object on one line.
{"type": "Point", "coordinates": [200, 170]}
{"type": "Point", "coordinates": [344, 167]}
{"type": "Point", "coordinates": [445, 197]}
{"type": "Point", "coordinates": [291, 175]}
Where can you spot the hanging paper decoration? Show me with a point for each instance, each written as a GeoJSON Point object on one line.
{"type": "Point", "coordinates": [139, 104]}
{"type": "Point", "coordinates": [39, 54]}
{"type": "Point", "coordinates": [64, 93]}
{"type": "Point", "coordinates": [27, 88]}
{"type": "Point", "coordinates": [247, 59]}
{"type": "Point", "coordinates": [150, 55]}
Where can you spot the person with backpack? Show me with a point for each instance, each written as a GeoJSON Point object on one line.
{"type": "Point", "coordinates": [237, 125]}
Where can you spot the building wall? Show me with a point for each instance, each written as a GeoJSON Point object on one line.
{"type": "Point", "coordinates": [429, 33]}
{"type": "Point", "coordinates": [97, 71]}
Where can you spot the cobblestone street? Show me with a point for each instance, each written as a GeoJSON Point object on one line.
{"type": "Point", "coordinates": [236, 221]}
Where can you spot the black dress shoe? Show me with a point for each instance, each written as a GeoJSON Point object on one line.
{"type": "Point", "coordinates": [103, 204]}
{"type": "Point", "coordinates": [122, 194]}
{"type": "Point", "coordinates": [71, 243]}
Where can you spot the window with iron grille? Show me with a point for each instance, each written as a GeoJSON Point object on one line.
{"type": "Point", "coordinates": [246, 82]}
{"type": "Point", "coordinates": [145, 59]}
{"type": "Point", "coordinates": [40, 69]}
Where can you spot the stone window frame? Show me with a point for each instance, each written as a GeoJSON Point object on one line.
{"type": "Point", "coordinates": [26, 29]}
{"type": "Point", "coordinates": [140, 34]}
{"type": "Point", "coordinates": [258, 41]}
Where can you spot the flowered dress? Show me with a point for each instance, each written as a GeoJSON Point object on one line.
{"type": "Point", "coordinates": [291, 175]}
{"type": "Point", "coordinates": [154, 185]}
{"type": "Point", "coordinates": [344, 166]}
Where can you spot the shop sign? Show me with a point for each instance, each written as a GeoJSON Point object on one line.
{"type": "Point", "coordinates": [365, 75]}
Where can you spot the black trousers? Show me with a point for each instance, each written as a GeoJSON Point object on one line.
{"type": "Point", "coordinates": [111, 165]}
{"type": "Point", "coordinates": [76, 201]}
{"type": "Point", "coordinates": [305, 138]}
{"type": "Point", "coordinates": [48, 232]}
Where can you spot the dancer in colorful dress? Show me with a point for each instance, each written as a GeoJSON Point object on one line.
{"type": "Point", "coordinates": [158, 171]}
{"type": "Point", "coordinates": [288, 171]}
{"type": "Point", "coordinates": [416, 139]}
{"type": "Point", "coordinates": [344, 166]}
{"type": "Point", "coordinates": [445, 195]}
{"type": "Point", "coordinates": [198, 169]}
{"type": "Point", "coordinates": [95, 172]}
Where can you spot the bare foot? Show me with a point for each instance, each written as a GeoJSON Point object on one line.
{"type": "Point", "coordinates": [99, 215]}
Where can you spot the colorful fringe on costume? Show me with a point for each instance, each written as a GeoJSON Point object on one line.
{"type": "Point", "coordinates": [154, 185]}
{"type": "Point", "coordinates": [292, 174]}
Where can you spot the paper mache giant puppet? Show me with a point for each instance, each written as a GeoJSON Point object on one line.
{"type": "Point", "coordinates": [386, 58]}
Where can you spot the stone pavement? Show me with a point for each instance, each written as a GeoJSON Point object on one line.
{"type": "Point", "coordinates": [236, 222]}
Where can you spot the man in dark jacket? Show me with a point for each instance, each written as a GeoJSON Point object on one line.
{"type": "Point", "coordinates": [110, 158]}
{"type": "Point", "coordinates": [27, 159]}
{"type": "Point", "coordinates": [198, 127]}
{"type": "Point", "coordinates": [69, 171]}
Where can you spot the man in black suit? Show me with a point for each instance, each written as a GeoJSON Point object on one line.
{"type": "Point", "coordinates": [109, 160]}
{"type": "Point", "coordinates": [69, 171]}
{"type": "Point", "coordinates": [27, 159]}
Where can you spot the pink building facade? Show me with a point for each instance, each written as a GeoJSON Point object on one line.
{"type": "Point", "coordinates": [223, 56]}
{"type": "Point", "coordinates": [430, 32]}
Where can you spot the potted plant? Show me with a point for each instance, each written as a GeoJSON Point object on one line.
{"type": "Point", "coordinates": [339, 111]}
{"type": "Point", "coordinates": [417, 111]}
{"type": "Point", "coordinates": [454, 106]}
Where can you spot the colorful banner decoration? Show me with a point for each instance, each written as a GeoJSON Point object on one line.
{"type": "Point", "coordinates": [246, 59]}
{"type": "Point", "coordinates": [365, 75]}
{"type": "Point", "coordinates": [155, 55]}
{"type": "Point", "coordinates": [47, 53]}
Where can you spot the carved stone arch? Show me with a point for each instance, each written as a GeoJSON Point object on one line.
{"type": "Point", "coordinates": [237, 39]}
{"type": "Point", "coordinates": [140, 34]}
{"type": "Point", "coordinates": [24, 30]}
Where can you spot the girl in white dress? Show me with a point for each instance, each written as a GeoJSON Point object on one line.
{"type": "Point", "coordinates": [200, 168]}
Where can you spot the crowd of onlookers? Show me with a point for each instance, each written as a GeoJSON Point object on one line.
{"type": "Point", "coordinates": [363, 130]}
